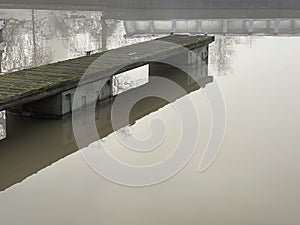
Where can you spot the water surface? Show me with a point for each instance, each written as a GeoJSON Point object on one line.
{"type": "Point", "coordinates": [254, 180]}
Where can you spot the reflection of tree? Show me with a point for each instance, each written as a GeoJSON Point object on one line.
{"type": "Point", "coordinates": [118, 37]}
{"type": "Point", "coordinates": [81, 31]}
{"type": "Point", "coordinates": [2, 125]}
{"type": "Point", "coordinates": [31, 38]}
{"type": "Point", "coordinates": [37, 37]}
{"type": "Point", "coordinates": [2, 132]}
{"type": "Point", "coordinates": [123, 83]}
{"type": "Point", "coordinates": [221, 52]}
{"type": "Point", "coordinates": [25, 43]}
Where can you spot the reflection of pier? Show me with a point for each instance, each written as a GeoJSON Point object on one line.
{"type": "Point", "coordinates": [215, 26]}
{"type": "Point", "coordinates": [45, 147]}
{"type": "Point", "coordinates": [48, 91]}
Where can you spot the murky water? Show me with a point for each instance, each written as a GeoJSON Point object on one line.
{"type": "Point", "coordinates": [254, 180]}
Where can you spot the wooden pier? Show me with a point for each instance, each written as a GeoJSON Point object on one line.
{"type": "Point", "coordinates": [33, 84]}
{"type": "Point", "coordinates": [49, 91]}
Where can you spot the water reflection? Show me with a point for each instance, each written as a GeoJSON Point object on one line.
{"type": "Point", "coordinates": [2, 125]}
{"type": "Point", "coordinates": [53, 35]}
{"type": "Point", "coordinates": [222, 51]}
{"type": "Point", "coordinates": [50, 35]}
{"type": "Point", "coordinates": [128, 80]}
{"type": "Point", "coordinates": [38, 37]}
{"type": "Point", "coordinates": [47, 36]}
{"type": "Point", "coordinates": [258, 167]}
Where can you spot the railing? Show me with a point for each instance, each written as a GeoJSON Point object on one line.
{"type": "Point", "coordinates": [214, 26]}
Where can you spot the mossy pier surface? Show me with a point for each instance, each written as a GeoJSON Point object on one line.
{"type": "Point", "coordinates": [40, 82]}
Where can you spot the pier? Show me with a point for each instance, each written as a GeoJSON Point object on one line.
{"type": "Point", "coordinates": [47, 91]}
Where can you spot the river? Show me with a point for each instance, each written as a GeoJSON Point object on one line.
{"type": "Point", "coordinates": [254, 179]}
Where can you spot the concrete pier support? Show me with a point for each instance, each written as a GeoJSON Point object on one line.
{"type": "Point", "coordinates": [60, 106]}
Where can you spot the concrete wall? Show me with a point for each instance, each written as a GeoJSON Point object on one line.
{"type": "Point", "coordinates": [60, 105]}
{"type": "Point", "coordinates": [198, 64]}
{"type": "Point", "coordinates": [88, 95]}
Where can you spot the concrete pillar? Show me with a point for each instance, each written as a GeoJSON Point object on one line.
{"type": "Point", "coordinates": [152, 29]}
{"type": "Point", "coordinates": [225, 26]}
{"type": "Point", "coordinates": [250, 26]}
{"type": "Point", "coordinates": [174, 26]}
{"type": "Point", "coordinates": [268, 26]}
{"type": "Point", "coordinates": [199, 27]}
{"type": "Point", "coordinates": [293, 26]}
{"type": "Point", "coordinates": [276, 26]}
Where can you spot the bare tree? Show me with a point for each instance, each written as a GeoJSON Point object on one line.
{"type": "Point", "coordinates": [222, 51]}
